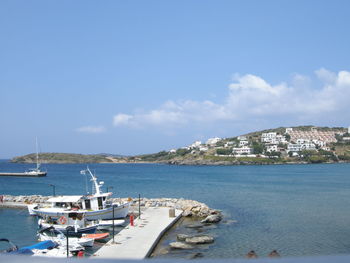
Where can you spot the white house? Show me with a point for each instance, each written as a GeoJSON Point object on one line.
{"type": "Point", "coordinates": [242, 150]}
{"type": "Point", "coordinates": [243, 143]}
{"type": "Point", "coordinates": [297, 147]}
{"type": "Point", "coordinates": [172, 151]}
{"type": "Point", "coordinates": [213, 141]}
{"type": "Point", "coordinates": [203, 148]}
{"type": "Point", "coordinates": [289, 130]}
{"type": "Point", "coordinates": [228, 144]}
{"type": "Point", "coordinates": [195, 144]}
{"type": "Point", "coordinates": [272, 148]}
{"type": "Point", "coordinates": [242, 138]}
{"type": "Point", "coordinates": [273, 138]}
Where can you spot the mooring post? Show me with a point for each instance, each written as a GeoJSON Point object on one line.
{"type": "Point", "coordinates": [113, 224]}
{"type": "Point", "coordinates": [139, 206]}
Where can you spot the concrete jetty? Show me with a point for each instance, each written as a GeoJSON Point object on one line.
{"type": "Point", "coordinates": [138, 242]}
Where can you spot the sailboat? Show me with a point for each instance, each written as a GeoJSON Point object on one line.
{"type": "Point", "coordinates": [36, 171]}
{"type": "Point", "coordinates": [33, 172]}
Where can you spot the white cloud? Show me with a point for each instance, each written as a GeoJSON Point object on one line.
{"type": "Point", "coordinates": [251, 97]}
{"type": "Point", "coordinates": [121, 119]}
{"type": "Point", "coordinates": [91, 129]}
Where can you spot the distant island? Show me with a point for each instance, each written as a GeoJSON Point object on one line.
{"type": "Point", "coordinates": [302, 144]}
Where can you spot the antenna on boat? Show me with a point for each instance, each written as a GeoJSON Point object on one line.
{"type": "Point", "coordinates": [95, 184]}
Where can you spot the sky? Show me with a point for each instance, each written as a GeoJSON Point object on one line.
{"type": "Point", "coordinates": [132, 77]}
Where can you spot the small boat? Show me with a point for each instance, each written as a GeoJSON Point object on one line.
{"type": "Point", "coordinates": [58, 237]}
{"type": "Point", "coordinates": [95, 207]}
{"type": "Point", "coordinates": [97, 236]}
{"type": "Point", "coordinates": [108, 224]}
{"type": "Point", "coordinates": [73, 225]}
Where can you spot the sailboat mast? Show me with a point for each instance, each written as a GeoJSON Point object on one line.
{"type": "Point", "coordinates": [37, 154]}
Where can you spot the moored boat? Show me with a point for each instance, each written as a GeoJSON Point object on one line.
{"type": "Point", "coordinates": [95, 207]}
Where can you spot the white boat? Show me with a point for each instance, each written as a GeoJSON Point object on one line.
{"type": "Point", "coordinates": [36, 171]}
{"type": "Point", "coordinates": [75, 221]}
{"type": "Point", "coordinates": [95, 206]}
{"type": "Point", "coordinates": [108, 224]}
{"type": "Point", "coordinates": [57, 236]}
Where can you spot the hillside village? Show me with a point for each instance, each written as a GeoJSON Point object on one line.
{"type": "Point", "coordinates": [303, 143]}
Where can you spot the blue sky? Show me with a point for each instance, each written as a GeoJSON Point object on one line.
{"type": "Point", "coordinates": [134, 77]}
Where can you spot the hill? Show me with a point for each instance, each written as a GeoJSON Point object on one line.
{"type": "Point", "coordinates": [63, 158]}
{"type": "Point", "coordinates": [301, 144]}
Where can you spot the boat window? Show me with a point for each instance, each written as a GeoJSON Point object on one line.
{"type": "Point", "coordinates": [100, 205]}
{"type": "Point", "coordinates": [87, 204]}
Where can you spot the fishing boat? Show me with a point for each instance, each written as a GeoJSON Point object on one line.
{"type": "Point", "coordinates": [94, 206]}
{"type": "Point", "coordinates": [57, 236]}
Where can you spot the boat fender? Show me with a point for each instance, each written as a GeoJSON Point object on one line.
{"type": "Point", "coordinates": [62, 220]}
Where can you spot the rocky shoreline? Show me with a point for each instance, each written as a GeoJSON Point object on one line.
{"type": "Point", "coordinates": [190, 208]}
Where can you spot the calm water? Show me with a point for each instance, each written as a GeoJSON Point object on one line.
{"type": "Point", "coordinates": [296, 209]}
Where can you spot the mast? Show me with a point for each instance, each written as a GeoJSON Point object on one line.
{"type": "Point", "coordinates": [37, 154]}
{"type": "Point", "coordinates": [95, 185]}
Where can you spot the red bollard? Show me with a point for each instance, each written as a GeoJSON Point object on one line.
{"type": "Point", "coordinates": [132, 220]}
{"type": "Point", "coordinates": [80, 254]}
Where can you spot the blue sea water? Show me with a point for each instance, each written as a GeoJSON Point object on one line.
{"type": "Point", "coordinates": [300, 210]}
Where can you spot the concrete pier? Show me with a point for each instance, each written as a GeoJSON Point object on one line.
{"type": "Point", "coordinates": [138, 242]}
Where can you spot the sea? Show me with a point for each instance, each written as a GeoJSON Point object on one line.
{"type": "Point", "coordinates": [298, 210]}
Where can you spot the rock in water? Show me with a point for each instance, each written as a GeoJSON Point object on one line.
{"type": "Point", "coordinates": [180, 245]}
{"type": "Point", "coordinates": [212, 219]}
{"type": "Point", "coordinates": [182, 237]}
{"type": "Point", "coordinates": [200, 240]}
{"type": "Point", "coordinates": [194, 226]}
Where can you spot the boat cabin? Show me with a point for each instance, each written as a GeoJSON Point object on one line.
{"type": "Point", "coordinates": [77, 202]}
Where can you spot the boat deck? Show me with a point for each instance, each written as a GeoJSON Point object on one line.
{"type": "Point", "coordinates": [138, 242]}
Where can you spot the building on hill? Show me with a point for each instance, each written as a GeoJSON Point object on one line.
{"type": "Point", "coordinates": [242, 138]}
{"type": "Point", "coordinates": [195, 144]}
{"type": "Point", "coordinates": [297, 147]}
{"type": "Point", "coordinates": [242, 150]}
{"type": "Point", "coordinates": [325, 136]}
{"type": "Point", "coordinates": [243, 143]}
{"type": "Point", "coordinates": [272, 148]}
{"type": "Point", "coordinates": [213, 141]}
{"type": "Point", "coordinates": [273, 138]}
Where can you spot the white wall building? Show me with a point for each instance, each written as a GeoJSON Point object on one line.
{"type": "Point", "coordinates": [213, 141]}
{"type": "Point", "coordinates": [289, 130]}
{"type": "Point", "coordinates": [203, 148]}
{"type": "Point", "coordinates": [272, 148]}
{"type": "Point", "coordinates": [242, 150]}
{"type": "Point", "coordinates": [242, 138]}
{"type": "Point", "coordinates": [297, 147]}
{"type": "Point", "coordinates": [273, 138]}
{"type": "Point", "coordinates": [243, 143]}
{"type": "Point", "coordinates": [195, 144]}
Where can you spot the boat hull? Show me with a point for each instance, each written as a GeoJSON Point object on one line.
{"type": "Point", "coordinates": [120, 211]}
{"type": "Point", "coordinates": [26, 174]}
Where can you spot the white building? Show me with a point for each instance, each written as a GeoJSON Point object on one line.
{"type": "Point", "coordinates": [243, 143]}
{"type": "Point", "coordinates": [242, 138]}
{"type": "Point", "coordinates": [242, 150]}
{"type": "Point", "coordinates": [289, 130]}
{"type": "Point", "coordinates": [203, 148]}
{"type": "Point", "coordinates": [297, 147]}
{"type": "Point", "coordinates": [228, 144]}
{"type": "Point", "coordinates": [172, 151]}
{"type": "Point", "coordinates": [273, 138]}
{"type": "Point", "coordinates": [195, 144]}
{"type": "Point", "coordinates": [272, 148]}
{"type": "Point", "coordinates": [213, 141]}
